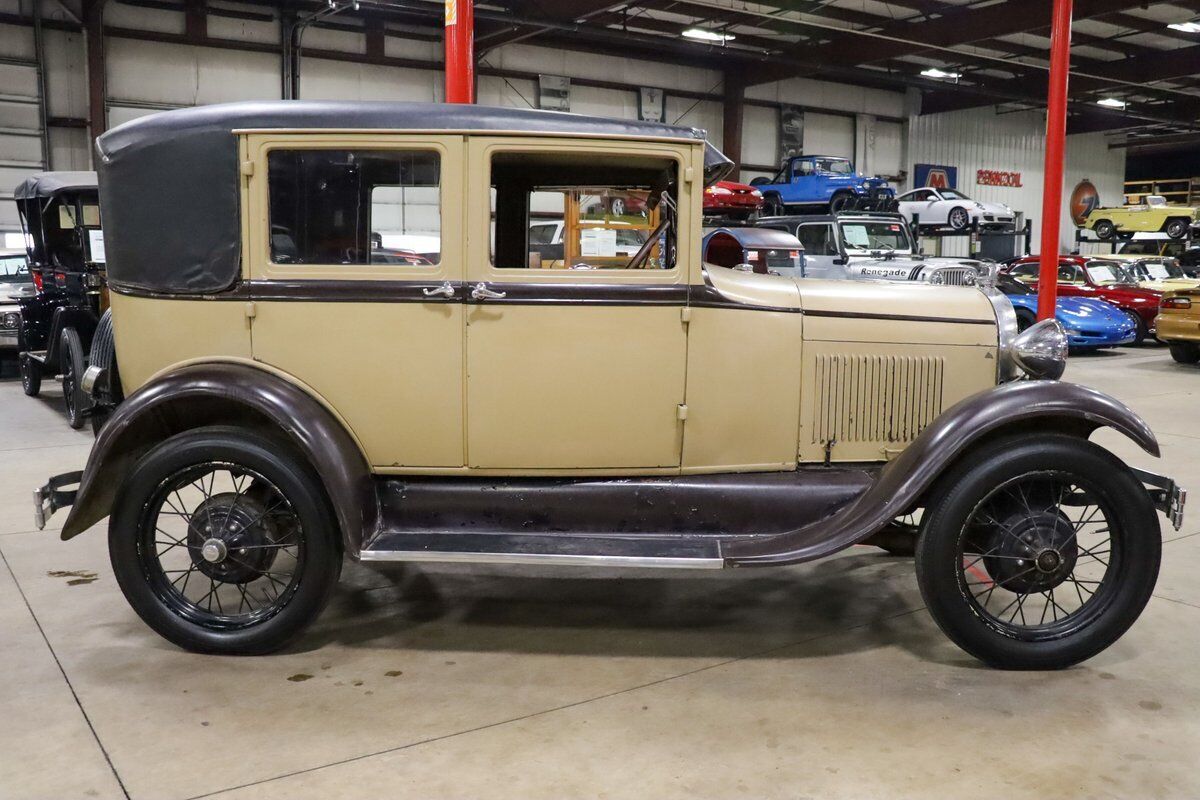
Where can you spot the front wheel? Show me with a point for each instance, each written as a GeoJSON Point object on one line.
{"type": "Point", "coordinates": [958, 219]}
{"type": "Point", "coordinates": [1104, 230]}
{"type": "Point", "coordinates": [223, 541]}
{"type": "Point", "coordinates": [71, 366]}
{"type": "Point", "coordinates": [773, 206]}
{"type": "Point", "coordinates": [1176, 228]}
{"type": "Point", "coordinates": [1040, 553]}
{"type": "Point", "coordinates": [1185, 352]}
{"type": "Point", "coordinates": [842, 201]}
{"type": "Point", "coordinates": [31, 376]}
{"type": "Point", "coordinates": [1139, 328]}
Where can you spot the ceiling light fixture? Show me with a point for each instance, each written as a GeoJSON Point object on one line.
{"type": "Point", "coordinates": [1186, 27]}
{"type": "Point", "coordinates": [701, 35]}
{"type": "Point", "coordinates": [1111, 102]}
{"type": "Point", "coordinates": [934, 72]}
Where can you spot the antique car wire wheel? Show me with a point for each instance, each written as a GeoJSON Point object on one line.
{"type": "Point", "coordinates": [1035, 556]}
{"type": "Point", "coordinates": [221, 546]}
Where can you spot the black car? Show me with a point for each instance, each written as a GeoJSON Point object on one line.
{"type": "Point", "coordinates": [60, 217]}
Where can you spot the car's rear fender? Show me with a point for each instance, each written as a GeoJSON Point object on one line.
{"type": "Point", "coordinates": [1041, 407]}
{"type": "Point", "coordinates": [225, 393]}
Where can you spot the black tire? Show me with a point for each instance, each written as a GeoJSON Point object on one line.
{"type": "Point", "coordinates": [102, 354]}
{"type": "Point", "coordinates": [1176, 228]}
{"type": "Point", "coordinates": [1141, 332]}
{"type": "Point", "coordinates": [841, 201]}
{"type": "Point", "coordinates": [71, 366]}
{"type": "Point", "coordinates": [31, 376]}
{"type": "Point", "coordinates": [134, 529]}
{"type": "Point", "coordinates": [1025, 320]}
{"type": "Point", "coordinates": [773, 206]}
{"type": "Point", "coordinates": [1104, 230]}
{"type": "Point", "coordinates": [1185, 352]}
{"type": "Point", "coordinates": [958, 219]}
{"type": "Point", "coordinates": [956, 520]}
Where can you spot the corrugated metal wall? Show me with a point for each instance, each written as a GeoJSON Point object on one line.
{"type": "Point", "coordinates": [978, 139]}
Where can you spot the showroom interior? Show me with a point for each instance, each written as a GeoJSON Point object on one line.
{"type": "Point", "coordinates": [577, 398]}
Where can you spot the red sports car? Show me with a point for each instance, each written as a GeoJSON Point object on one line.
{"type": "Point", "coordinates": [1087, 276]}
{"type": "Point", "coordinates": [729, 199]}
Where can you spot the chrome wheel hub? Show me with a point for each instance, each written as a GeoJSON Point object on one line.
{"type": "Point", "coordinates": [214, 551]}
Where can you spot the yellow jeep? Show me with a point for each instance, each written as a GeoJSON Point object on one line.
{"type": "Point", "coordinates": [1152, 216]}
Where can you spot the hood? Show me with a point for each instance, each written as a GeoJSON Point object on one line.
{"type": "Point", "coordinates": [1088, 310]}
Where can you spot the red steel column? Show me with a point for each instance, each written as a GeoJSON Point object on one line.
{"type": "Point", "coordinates": [1056, 140]}
{"type": "Point", "coordinates": [460, 51]}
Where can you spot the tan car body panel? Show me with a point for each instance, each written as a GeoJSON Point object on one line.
{"type": "Point", "coordinates": [1179, 324]}
{"type": "Point", "coordinates": [576, 389]}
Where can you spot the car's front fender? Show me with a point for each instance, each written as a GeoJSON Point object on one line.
{"type": "Point", "coordinates": [1041, 406]}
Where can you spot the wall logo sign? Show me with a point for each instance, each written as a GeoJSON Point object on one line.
{"type": "Point", "coordinates": [996, 177]}
{"type": "Point", "coordinates": [554, 93]}
{"type": "Point", "coordinates": [652, 104]}
{"type": "Point", "coordinates": [936, 175]}
{"type": "Point", "coordinates": [1084, 200]}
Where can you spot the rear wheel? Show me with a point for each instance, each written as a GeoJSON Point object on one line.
{"type": "Point", "coordinates": [70, 359]}
{"type": "Point", "coordinates": [1039, 554]}
{"type": "Point", "coordinates": [223, 541]}
{"type": "Point", "coordinates": [31, 376]}
{"type": "Point", "coordinates": [1176, 228]}
{"type": "Point", "coordinates": [1185, 352]}
{"type": "Point", "coordinates": [772, 206]}
{"type": "Point", "coordinates": [1104, 230]}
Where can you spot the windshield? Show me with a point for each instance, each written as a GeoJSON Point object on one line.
{"type": "Point", "coordinates": [950, 194]}
{"type": "Point", "coordinates": [875, 236]}
{"type": "Point", "coordinates": [1010, 285]}
{"type": "Point", "coordinates": [1158, 271]}
{"type": "Point", "coordinates": [1139, 249]}
{"type": "Point", "coordinates": [14, 268]}
{"type": "Point", "coordinates": [838, 165]}
{"type": "Point", "coordinates": [1108, 272]}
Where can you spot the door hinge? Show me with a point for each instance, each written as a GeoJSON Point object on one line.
{"type": "Point", "coordinates": [681, 411]}
{"type": "Point", "coordinates": [247, 168]}
{"type": "Point", "coordinates": [689, 174]}
{"type": "Point", "coordinates": [685, 314]}
{"type": "Point", "coordinates": [251, 311]}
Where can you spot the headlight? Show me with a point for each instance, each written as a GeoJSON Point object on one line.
{"type": "Point", "coordinates": [1007, 368]}
{"type": "Point", "coordinates": [11, 319]}
{"type": "Point", "coordinates": [1042, 350]}
{"type": "Point", "coordinates": [756, 193]}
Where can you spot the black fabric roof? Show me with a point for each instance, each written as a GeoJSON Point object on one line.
{"type": "Point", "coordinates": [48, 184]}
{"type": "Point", "coordinates": [169, 182]}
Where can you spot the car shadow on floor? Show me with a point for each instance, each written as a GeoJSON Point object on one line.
{"type": "Point", "coordinates": [784, 612]}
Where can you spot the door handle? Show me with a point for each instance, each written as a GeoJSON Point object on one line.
{"type": "Point", "coordinates": [445, 290]}
{"type": "Point", "coordinates": [481, 292]}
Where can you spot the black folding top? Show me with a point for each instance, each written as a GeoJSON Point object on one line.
{"type": "Point", "coordinates": [48, 184]}
{"type": "Point", "coordinates": [169, 182]}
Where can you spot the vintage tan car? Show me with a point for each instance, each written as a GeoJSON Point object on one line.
{"type": "Point", "coordinates": [1154, 216]}
{"type": "Point", "coordinates": [1178, 324]}
{"type": "Point", "coordinates": [291, 400]}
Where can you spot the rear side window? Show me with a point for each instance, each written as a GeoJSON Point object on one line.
{"type": "Point", "coordinates": [817, 240]}
{"type": "Point", "coordinates": [355, 206]}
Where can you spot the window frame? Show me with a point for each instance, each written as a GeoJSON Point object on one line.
{"type": "Point", "coordinates": [687, 154]}
{"type": "Point", "coordinates": [255, 147]}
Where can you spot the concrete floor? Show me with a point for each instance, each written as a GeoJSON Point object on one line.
{"type": "Point", "coordinates": [827, 680]}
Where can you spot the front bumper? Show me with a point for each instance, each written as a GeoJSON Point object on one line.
{"type": "Point", "coordinates": [1167, 496]}
{"type": "Point", "coordinates": [8, 340]}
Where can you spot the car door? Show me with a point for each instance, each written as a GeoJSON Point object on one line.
{"type": "Point", "coordinates": [578, 368]}
{"type": "Point", "coordinates": [381, 344]}
{"type": "Point", "coordinates": [820, 250]}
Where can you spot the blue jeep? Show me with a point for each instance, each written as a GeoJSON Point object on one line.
{"type": "Point", "coordinates": [820, 183]}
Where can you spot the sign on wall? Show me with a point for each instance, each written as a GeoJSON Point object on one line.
{"type": "Point", "coordinates": [996, 177]}
{"type": "Point", "coordinates": [791, 131]}
{"type": "Point", "coordinates": [938, 176]}
{"type": "Point", "coordinates": [652, 104]}
{"type": "Point", "coordinates": [1084, 200]}
{"type": "Point", "coordinates": [554, 93]}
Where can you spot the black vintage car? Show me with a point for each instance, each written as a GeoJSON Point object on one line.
{"type": "Point", "coordinates": [60, 217]}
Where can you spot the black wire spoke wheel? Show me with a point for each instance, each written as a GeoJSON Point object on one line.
{"type": "Point", "coordinates": [221, 546]}
{"type": "Point", "coordinates": [1038, 551]}
{"type": "Point", "coordinates": [1035, 555]}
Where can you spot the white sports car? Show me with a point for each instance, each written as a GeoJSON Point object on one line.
{"type": "Point", "coordinates": [950, 208]}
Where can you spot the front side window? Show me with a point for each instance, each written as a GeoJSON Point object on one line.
{"type": "Point", "coordinates": [1026, 272]}
{"type": "Point", "coordinates": [583, 211]}
{"type": "Point", "coordinates": [355, 207]}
